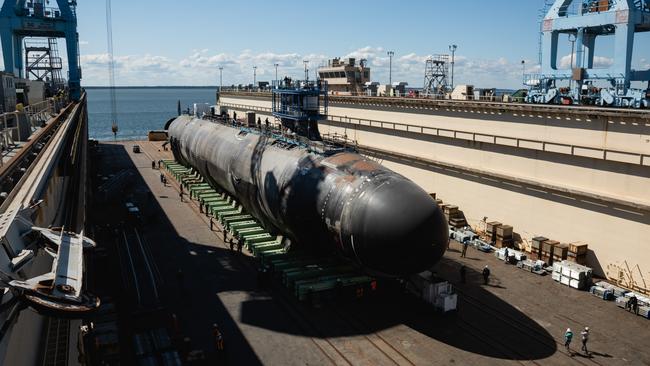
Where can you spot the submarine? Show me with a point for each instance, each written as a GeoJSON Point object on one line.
{"type": "Point", "coordinates": [332, 200]}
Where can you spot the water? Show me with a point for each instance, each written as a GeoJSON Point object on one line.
{"type": "Point", "coordinates": [139, 110]}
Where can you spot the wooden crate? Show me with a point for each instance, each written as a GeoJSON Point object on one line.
{"type": "Point", "coordinates": [491, 227]}
{"type": "Point", "coordinates": [537, 242]}
{"type": "Point", "coordinates": [457, 222]}
{"type": "Point", "coordinates": [578, 249]}
{"type": "Point", "coordinates": [451, 209]}
{"type": "Point", "coordinates": [503, 243]}
{"type": "Point", "coordinates": [580, 259]}
{"type": "Point", "coordinates": [549, 245]}
{"type": "Point", "coordinates": [504, 231]}
{"type": "Point", "coordinates": [536, 252]}
{"type": "Point", "coordinates": [561, 251]}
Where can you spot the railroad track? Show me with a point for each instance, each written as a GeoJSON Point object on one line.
{"type": "Point", "coordinates": [362, 328]}
{"type": "Point", "coordinates": [142, 272]}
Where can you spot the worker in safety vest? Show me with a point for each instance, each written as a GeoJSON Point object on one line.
{"type": "Point", "coordinates": [568, 336]}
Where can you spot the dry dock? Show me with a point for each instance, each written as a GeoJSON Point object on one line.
{"type": "Point", "coordinates": [520, 318]}
{"type": "Point", "coordinates": [572, 174]}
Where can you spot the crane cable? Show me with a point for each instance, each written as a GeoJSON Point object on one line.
{"type": "Point", "coordinates": [111, 68]}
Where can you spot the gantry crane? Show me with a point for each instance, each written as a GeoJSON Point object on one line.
{"type": "Point", "coordinates": [584, 21]}
{"type": "Point", "coordinates": [23, 18]}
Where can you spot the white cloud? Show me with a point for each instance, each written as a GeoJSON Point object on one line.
{"type": "Point", "coordinates": [600, 62]}
{"type": "Point", "coordinates": [200, 67]}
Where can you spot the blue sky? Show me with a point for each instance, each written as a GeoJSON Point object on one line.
{"type": "Point", "coordinates": [183, 42]}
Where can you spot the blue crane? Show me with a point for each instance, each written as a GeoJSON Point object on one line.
{"type": "Point", "coordinates": [583, 21]}
{"type": "Point", "coordinates": [22, 18]}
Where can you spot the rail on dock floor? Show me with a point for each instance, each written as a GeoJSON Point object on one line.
{"type": "Point", "coordinates": [307, 276]}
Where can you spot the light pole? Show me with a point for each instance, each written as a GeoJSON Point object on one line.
{"type": "Point", "coordinates": [452, 48]}
{"type": "Point", "coordinates": [390, 66]}
{"type": "Point", "coordinates": [220, 78]}
{"type": "Point", "coordinates": [306, 70]}
{"type": "Point", "coordinates": [523, 72]}
{"type": "Point", "coordinates": [254, 76]}
{"type": "Point", "coordinates": [276, 72]}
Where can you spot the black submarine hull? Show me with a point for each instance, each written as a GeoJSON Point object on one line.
{"type": "Point", "coordinates": [344, 202]}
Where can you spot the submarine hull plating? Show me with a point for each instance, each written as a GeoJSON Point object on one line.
{"type": "Point", "coordinates": [368, 213]}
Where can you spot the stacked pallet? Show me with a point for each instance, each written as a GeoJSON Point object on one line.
{"type": "Point", "coordinates": [491, 231]}
{"type": "Point", "coordinates": [572, 274]}
{"type": "Point", "coordinates": [504, 237]}
{"type": "Point", "coordinates": [438, 293]}
{"type": "Point", "coordinates": [548, 248]}
{"type": "Point", "coordinates": [607, 291]}
{"type": "Point", "coordinates": [454, 217]}
{"type": "Point", "coordinates": [560, 252]}
{"type": "Point", "coordinates": [514, 256]}
{"type": "Point", "coordinates": [577, 253]}
{"type": "Point", "coordinates": [536, 247]}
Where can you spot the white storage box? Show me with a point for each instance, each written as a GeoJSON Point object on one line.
{"type": "Point", "coordinates": [566, 271]}
{"type": "Point", "coordinates": [577, 275]}
{"type": "Point", "coordinates": [556, 276]}
{"type": "Point", "coordinates": [565, 280]}
{"type": "Point", "coordinates": [446, 302]}
{"type": "Point", "coordinates": [577, 284]}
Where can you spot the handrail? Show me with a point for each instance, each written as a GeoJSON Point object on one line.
{"type": "Point", "coordinates": [513, 106]}
{"type": "Point", "coordinates": [548, 146]}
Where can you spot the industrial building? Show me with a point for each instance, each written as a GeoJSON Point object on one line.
{"type": "Point", "coordinates": [345, 77]}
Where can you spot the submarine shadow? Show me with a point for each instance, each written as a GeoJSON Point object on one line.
{"type": "Point", "coordinates": [207, 269]}
{"type": "Point", "coordinates": [475, 329]}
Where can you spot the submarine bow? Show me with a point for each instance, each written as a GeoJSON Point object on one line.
{"type": "Point", "coordinates": [344, 202]}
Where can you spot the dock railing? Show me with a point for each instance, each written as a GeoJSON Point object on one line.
{"type": "Point", "coordinates": [37, 115]}
{"type": "Point", "coordinates": [501, 98]}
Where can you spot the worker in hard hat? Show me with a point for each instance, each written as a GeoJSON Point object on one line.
{"type": "Point", "coordinates": [585, 339]}
{"type": "Point", "coordinates": [568, 336]}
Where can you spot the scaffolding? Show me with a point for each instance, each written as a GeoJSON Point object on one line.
{"type": "Point", "coordinates": [43, 62]}
{"type": "Point", "coordinates": [435, 75]}
{"type": "Point", "coordinates": [36, 18]}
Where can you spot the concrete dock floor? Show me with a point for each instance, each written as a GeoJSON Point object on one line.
{"type": "Point", "coordinates": [519, 318]}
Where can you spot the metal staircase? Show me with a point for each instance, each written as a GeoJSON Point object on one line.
{"type": "Point", "coordinates": [43, 62]}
